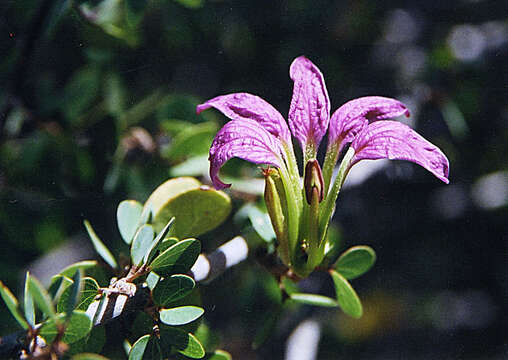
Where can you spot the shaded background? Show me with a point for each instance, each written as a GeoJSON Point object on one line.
{"type": "Point", "coordinates": [95, 98]}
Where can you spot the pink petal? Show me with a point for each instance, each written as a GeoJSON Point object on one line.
{"type": "Point", "coordinates": [348, 120]}
{"type": "Point", "coordinates": [247, 140]}
{"type": "Point", "coordinates": [396, 141]}
{"type": "Point", "coordinates": [309, 112]}
{"type": "Point", "coordinates": [241, 106]}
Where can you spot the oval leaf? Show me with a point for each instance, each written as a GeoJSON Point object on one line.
{"type": "Point", "coordinates": [355, 261]}
{"type": "Point", "coordinates": [180, 315]}
{"type": "Point", "coordinates": [155, 244]}
{"type": "Point", "coordinates": [99, 246]}
{"type": "Point", "coordinates": [141, 244]}
{"type": "Point", "coordinates": [88, 293]}
{"type": "Point", "coordinates": [78, 326]}
{"type": "Point", "coordinates": [139, 347]}
{"type": "Point", "coordinates": [313, 299]}
{"type": "Point", "coordinates": [172, 289]}
{"type": "Point", "coordinates": [185, 343]}
{"type": "Point", "coordinates": [12, 304]}
{"type": "Point", "coordinates": [197, 208]}
{"type": "Point", "coordinates": [128, 217]}
{"type": "Point", "coordinates": [346, 296]}
{"type": "Point", "coordinates": [179, 258]}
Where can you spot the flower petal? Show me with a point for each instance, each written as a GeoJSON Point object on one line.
{"type": "Point", "coordinates": [309, 112]}
{"type": "Point", "coordinates": [241, 106]}
{"type": "Point", "coordinates": [247, 140]}
{"type": "Point", "coordinates": [348, 120]}
{"type": "Point", "coordinates": [396, 141]}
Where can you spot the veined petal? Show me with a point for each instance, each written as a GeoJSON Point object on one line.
{"type": "Point", "coordinates": [309, 112]}
{"type": "Point", "coordinates": [348, 120]}
{"type": "Point", "coordinates": [396, 141]}
{"type": "Point", "coordinates": [247, 140]}
{"type": "Point", "coordinates": [241, 106]}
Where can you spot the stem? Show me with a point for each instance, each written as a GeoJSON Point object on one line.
{"type": "Point", "coordinates": [329, 204]}
{"type": "Point", "coordinates": [294, 174]}
{"type": "Point", "coordinates": [331, 156]}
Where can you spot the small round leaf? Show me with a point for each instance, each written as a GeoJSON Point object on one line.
{"type": "Point", "coordinates": [180, 315]}
{"type": "Point", "coordinates": [138, 348]}
{"type": "Point", "coordinates": [172, 288]}
{"type": "Point", "coordinates": [185, 343]}
{"type": "Point", "coordinates": [141, 244]}
{"type": "Point", "coordinates": [128, 216]}
{"type": "Point", "coordinates": [355, 261]}
{"type": "Point", "coordinates": [313, 299]}
{"type": "Point", "coordinates": [178, 258]}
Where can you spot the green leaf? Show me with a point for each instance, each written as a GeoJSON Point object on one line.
{"type": "Point", "coordinates": [71, 269]}
{"type": "Point", "coordinates": [101, 249]}
{"type": "Point", "coordinates": [172, 288]}
{"type": "Point", "coordinates": [88, 356]}
{"type": "Point", "coordinates": [355, 261]}
{"type": "Point", "coordinates": [138, 348]}
{"type": "Point", "coordinates": [59, 283]}
{"type": "Point", "coordinates": [141, 244]}
{"type": "Point", "coordinates": [197, 208]}
{"type": "Point", "coordinates": [179, 258]}
{"type": "Point", "coordinates": [289, 286]}
{"type": "Point", "coordinates": [13, 305]}
{"type": "Point", "coordinates": [346, 296]}
{"type": "Point", "coordinates": [74, 293]}
{"type": "Point", "coordinates": [78, 326]}
{"type": "Point", "coordinates": [128, 217]}
{"type": "Point", "coordinates": [152, 280]}
{"type": "Point", "coordinates": [161, 235]}
{"type": "Point", "coordinates": [93, 343]}
{"type": "Point", "coordinates": [167, 243]}
{"type": "Point", "coordinates": [185, 343]}
{"type": "Point", "coordinates": [87, 295]}
{"type": "Point", "coordinates": [194, 166]}
{"type": "Point", "coordinates": [29, 302]}
{"type": "Point", "coordinates": [191, 4]}
{"type": "Point", "coordinates": [41, 298]}
{"type": "Point", "coordinates": [192, 140]}
{"type": "Point", "coordinates": [313, 299]}
{"type": "Point", "coordinates": [180, 315]}
{"type": "Point", "coordinates": [219, 355]}
{"type": "Point", "coordinates": [260, 221]}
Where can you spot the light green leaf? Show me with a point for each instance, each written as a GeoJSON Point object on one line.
{"type": "Point", "coordinates": [179, 258]}
{"type": "Point", "coordinates": [346, 296]}
{"type": "Point", "coordinates": [29, 302]}
{"type": "Point", "coordinates": [41, 298]}
{"type": "Point", "coordinates": [355, 261]}
{"type": "Point", "coordinates": [128, 217]}
{"type": "Point", "coordinates": [101, 249]}
{"type": "Point", "coordinates": [180, 315]}
{"type": "Point", "coordinates": [185, 343]}
{"type": "Point", "coordinates": [71, 269]}
{"type": "Point", "coordinates": [197, 208]}
{"type": "Point", "coordinates": [13, 305]}
{"type": "Point", "coordinates": [167, 243]}
{"type": "Point", "coordinates": [152, 280]}
{"type": "Point", "coordinates": [141, 244]}
{"type": "Point", "coordinates": [138, 348]}
{"type": "Point", "coordinates": [260, 221]}
{"type": "Point", "coordinates": [88, 356]}
{"type": "Point", "coordinates": [192, 140]}
{"type": "Point", "coordinates": [160, 236]}
{"type": "Point", "coordinates": [194, 166]}
{"type": "Point", "coordinates": [78, 326]}
{"type": "Point", "coordinates": [313, 299]}
{"type": "Point", "coordinates": [58, 285]}
{"type": "Point", "coordinates": [219, 355]}
{"type": "Point", "coordinates": [172, 288]}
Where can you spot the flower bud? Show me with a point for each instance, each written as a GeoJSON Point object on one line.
{"type": "Point", "coordinates": [313, 182]}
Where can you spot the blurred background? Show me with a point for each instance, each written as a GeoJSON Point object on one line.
{"type": "Point", "coordinates": [97, 104]}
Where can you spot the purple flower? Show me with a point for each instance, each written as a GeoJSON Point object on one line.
{"type": "Point", "coordinates": [259, 133]}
